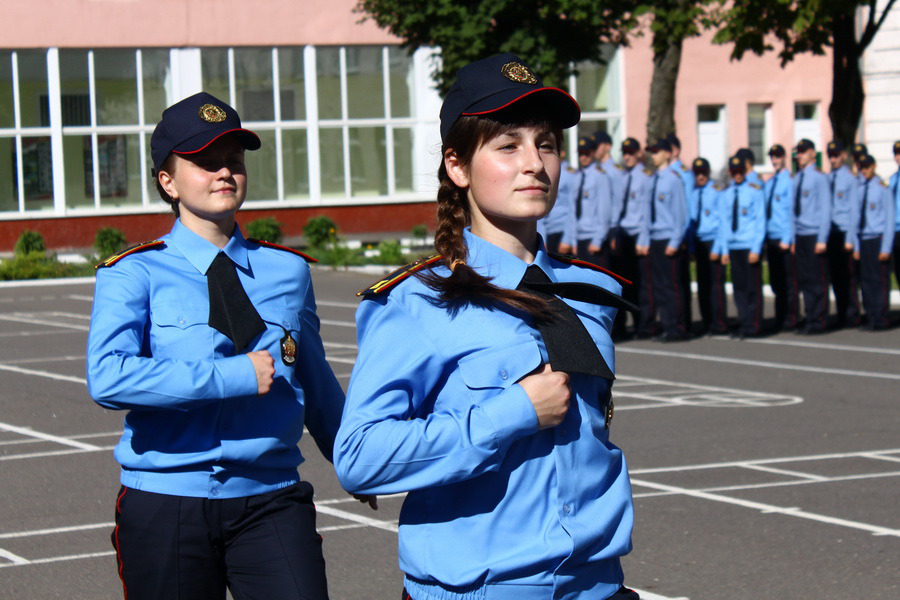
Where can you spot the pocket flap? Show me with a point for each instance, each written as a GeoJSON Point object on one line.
{"type": "Point", "coordinates": [179, 315]}
{"type": "Point", "coordinates": [500, 367]}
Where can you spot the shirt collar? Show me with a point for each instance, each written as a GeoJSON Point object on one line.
{"type": "Point", "coordinates": [201, 252]}
{"type": "Point", "coordinates": [504, 269]}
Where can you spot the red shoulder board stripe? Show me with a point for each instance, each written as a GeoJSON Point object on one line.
{"type": "Point", "coordinates": [305, 257]}
{"type": "Point", "coordinates": [571, 260]}
{"type": "Point", "coordinates": [133, 250]}
{"type": "Point", "coordinates": [395, 277]}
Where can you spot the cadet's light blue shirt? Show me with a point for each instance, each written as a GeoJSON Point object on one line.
{"type": "Point", "coordinates": [561, 217]}
{"type": "Point", "coordinates": [196, 426]}
{"type": "Point", "coordinates": [617, 179]}
{"type": "Point", "coordinates": [707, 215]}
{"type": "Point", "coordinates": [844, 202]}
{"type": "Point", "coordinates": [779, 193]}
{"type": "Point", "coordinates": [751, 217]}
{"type": "Point", "coordinates": [815, 203]}
{"type": "Point", "coordinates": [895, 191]}
{"type": "Point", "coordinates": [874, 198]}
{"type": "Point", "coordinates": [596, 204]}
{"type": "Point", "coordinates": [496, 508]}
{"type": "Point", "coordinates": [667, 191]}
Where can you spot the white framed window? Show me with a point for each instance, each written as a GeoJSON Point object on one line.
{"type": "Point", "coordinates": [759, 123]}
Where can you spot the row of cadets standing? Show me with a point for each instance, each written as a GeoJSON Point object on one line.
{"type": "Point", "coordinates": [779, 193]}
{"type": "Point", "coordinates": [844, 279]}
{"type": "Point", "coordinates": [895, 194]}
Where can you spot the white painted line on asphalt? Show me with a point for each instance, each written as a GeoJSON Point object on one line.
{"type": "Point", "coordinates": [47, 374]}
{"type": "Point", "coordinates": [645, 595]}
{"type": "Point", "coordinates": [35, 321]}
{"type": "Point", "coordinates": [79, 297]}
{"type": "Point", "coordinates": [47, 437]}
{"type": "Point", "coordinates": [787, 472]}
{"type": "Point", "coordinates": [337, 323]}
{"type": "Point", "coordinates": [46, 282]}
{"type": "Point", "coordinates": [25, 361]}
{"type": "Point", "coordinates": [55, 530]}
{"type": "Point", "coordinates": [349, 516]}
{"type": "Point", "coordinates": [14, 559]}
{"type": "Point", "coordinates": [660, 394]}
{"type": "Point", "coordinates": [53, 453]}
{"type": "Point", "coordinates": [353, 305]}
{"type": "Point", "coordinates": [766, 461]}
{"type": "Point", "coordinates": [770, 508]}
{"type": "Point", "coordinates": [53, 559]}
{"type": "Point", "coordinates": [759, 363]}
{"type": "Point", "coordinates": [820, 346]}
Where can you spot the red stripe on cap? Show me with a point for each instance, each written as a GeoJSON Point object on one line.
{"type": "Point", "coordinates": [215, 138]}
{"type": "Point", "coordinates": [487, 112]}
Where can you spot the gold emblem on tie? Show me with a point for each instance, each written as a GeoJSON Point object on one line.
{"type": "Point", "coordinates": [288, 349]}
{"type": "Point", "coordinates": [212, 113]}
{"type": "Point", "coordinates": [519, 73]}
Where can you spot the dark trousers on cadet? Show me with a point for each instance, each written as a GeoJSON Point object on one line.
{"type": "Point", "coordinates": [598, 258]}
{"type": "Point", "coordinates": [844, 282]}
{"type": "Point", "coordinates": [875, 280]}
{"type": "Point", "coordinates": [552, 241]}
{"type": "Point", "coordinates": [711, 290]}
{"type": "Point", "coordinates": [180, 548]}
{"type": "Point", "coordinates": [625, 263]}
{"type": "Point", "coordinates": [783, 281]}
{"type": "Point", "coordinates": [746, 279]}
{"type": "Point", "coordinates": [812, 275]}
{"type": "Point", "coordinates": [666, 288]}
{"type": "Point", "coordinates": [896, 255]}
{"type": "Point", "coordinates": [684, 282]}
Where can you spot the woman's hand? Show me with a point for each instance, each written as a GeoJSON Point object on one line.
{"type": "Point", "coordinates": [264, 365]}
{"type": "Point", "coordinates": [549, 393]}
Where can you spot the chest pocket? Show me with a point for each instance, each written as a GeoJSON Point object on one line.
{"type": "Point", "coordinates": [180, 331]}
{"type": "Point", "coordinates": [500, 367]}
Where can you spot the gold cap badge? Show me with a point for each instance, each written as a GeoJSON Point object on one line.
{"type": "Point", "coordinates": [212, 113]}
{"type": "Point", "coordinates": [519, 73]}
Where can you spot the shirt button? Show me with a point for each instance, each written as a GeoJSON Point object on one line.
{"type": "Point", "coordinates": [286, 324]}
{"type": "Point", "coordinates": [214, 492]}
{"type": "Point", "coordinates": [504, 374]}
{"type": "Point", "coordinates": [566, 509]}
{"type": "Point", "coordinates": [181, 320]}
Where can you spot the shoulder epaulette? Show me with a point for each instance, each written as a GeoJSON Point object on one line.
{"type": "Point", "coordinates": [108, 262]}
{"type": "Point", "coordinates": [884, 183]}
{"type": "Point", "coordinates": [599, 168]}
{"type": "Point", "coordinates": [685, 168]}
{"type": "Point", "coordinates": [571, 169]}
{"type": "Point", "coordinates": [755, 186]}
{"type": "Point", "coordinates": [571, 260]}
{"type": "Point", "coordinates": [619, 167]}
{"type": "Point", "coordinates": [718, 187]}
{"type": "Point", "coordinates": [395, 277]}
{"type": "Point", "coordinates": [649, 171]}
{"type": "Point", "coordinates": [305, 257]}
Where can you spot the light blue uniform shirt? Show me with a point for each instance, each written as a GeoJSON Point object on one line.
{"type": "Point", "coordinates": [561, 217]}
{"type": "Point", "coordinates": [666, 191]}
{"type": "Point", "coordinates": [844, 203]}
{"type": "Point", "coordinates": [616, 175]}
{"type": "Point", "coordinates": [751, 217]}
{"type": "Point", "coordinates": [596, 203]}
{"type": "Point", "coordinates": [880, 215]}
{"type": "Point", "coordinates": [496, 508]}
{"type": "Point", "coordinates": [686, 174]}
{"type": "Point", "coordinates": [707, 216]}
{"type": "Point", "coordinates": [196, 426]}
{"type": "Point", "coordinates": [895, 191]}
{"type": "Point", "coordinates": [811, 185]}
{"type": "Point", "coordinates": [779, 193]}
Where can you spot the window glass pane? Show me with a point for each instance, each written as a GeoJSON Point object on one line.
{"type": "Point", "coordinates": [73, 75]}
{"type": "Point", "coordinates": [37, 169]}
{"type": "Point", "coordinates": [589, 127]}
{"type": "Point", "coordinates": [592, 87]}
{"type": "Point", "coordinates": [214, 64]}
{"type": "Point", "coordinates": [253, 82]}
{"type": "Point", "coordinates": [365, 82]}
{"type": "Point", "coordinates": [756, 131]}
{"type": "Point", "coordinates": [292, 84]}
{"type": "Point", "coordinates": [368, 162]}
{"type": "Point", "coordinates": [157, 75]}
{"type": "Point", "coordinates": [115, 83]}
{"type": "Point", "coordinates": [78, 160]}
{"type": "Point", "coordinates": [9, 189]}
{"type": "Point", "coordinates": [328, 81]}
{"type": "Point", "coordinates": [33, 87]}
{"type": "Point", "coordinates": [120, 176]}
{"type": "Point", "coordinates": [331, 150]}
{"type": "Point", "coordinates": [403, 162]}
{"type": "Point", "coordinates": [402, 82]}
{"type": "Point", "coordinates": [7, 117]}
{"type": "Point", "coordinates": [708, 113]}
{"type": "Point", "coordinates": [261, 169]}
{"type": "Point", "coordinates": [805, 110]}
{"type": "Point", "coordinates": [296, 163]}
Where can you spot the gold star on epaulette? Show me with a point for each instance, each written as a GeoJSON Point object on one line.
{"type": "Point", "coordinates": [108, 262]}
{"type": "Point", "coordinates": [395, 277]}
{"type": "Point", "coordinates": [305, 257]}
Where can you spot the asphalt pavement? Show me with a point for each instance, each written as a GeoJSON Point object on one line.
{"type": "Point", "coordinates": [764, 468]}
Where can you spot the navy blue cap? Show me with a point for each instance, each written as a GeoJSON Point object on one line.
{"type": "Point", "coordinates": [673, 141]}
{"type": "Point", "coordinates": [660, 144]}
{"type": "Point", "coordinates": [700, 165]}
{"type": "Point", "coordinates": [804, 145]}
{"type": "Point", "coordinates": [835, 147]}
{"type": "Point", "coordinates": [586, 143]}
{"type": "Point", "coordinates": [194, 123]}
{"type": "Point", "coordinates": [736, 164]}
{"type": "Point", "coordinates": [492, 84]}
{"type": "Point", "coordinates": [777, 150]}
{"type": "Point", "coordinates": [865, 160]}
{"type": "Point", "coordinates": [858, 150]}
{"type": "Point", "coordinates": [897, 147]}
{"type": "Point", "coordinates": [631, 145]}
{"type": "Point", "coordinates": [746, 154]}
{"type": "Point", "coordinates": [601, 137]}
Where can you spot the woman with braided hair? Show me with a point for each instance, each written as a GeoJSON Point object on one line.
{"type": "Point", "coordinates": [482, 386]}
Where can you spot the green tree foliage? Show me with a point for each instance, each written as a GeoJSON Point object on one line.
{"type": "Point", "coordinates": [800, 26]}
{"type": "Point", "coordinates": [550, 35]}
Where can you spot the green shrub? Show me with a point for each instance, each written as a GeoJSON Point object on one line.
{"type": "Point", "coordinates": [30, 242]}
{"type": "Point", "coordinates": [109, 241]}
{"type": "Point", "coordinates": [320, 231]}
{"type": "Point", "coordinates": [420, 232]}
{"type": "Point", "coordinates": [267, 229]}
{"type": "Point", "coordinates": [390, 252]}
{"type": "Point", "coordinates": [36, 265]}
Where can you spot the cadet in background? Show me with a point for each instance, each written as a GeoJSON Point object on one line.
{"type": "Point", "coordinates": [707, 227]}
{"type": "Point", "coordinates": [842, 184]}
{"type": "Point", "coordinates": [779, 193]}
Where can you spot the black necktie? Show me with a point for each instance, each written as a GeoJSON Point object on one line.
{"type": "Point", "coordinates": [653, 199]}
{"type": "Point", "coordinates": [833, 177]}
{"type": "Point", "coordinates": [230, 310]}
{"type": "Point", "coordinates": [771, 193]}
{"type": "Point", "coordinates": [569, 345]}
{"type": "Point", "coordinates": [699, 207]}
{"type": "Point", "coordinates": [625, 199]}
{"type": "Point", "coordinates": [797, 195]}
{"type": "Point", "coordinates": [734, 211]}
{"type": "Point", "coordinates": [862, 213]}
{"type": "Point", "coordinates": [578, 197]}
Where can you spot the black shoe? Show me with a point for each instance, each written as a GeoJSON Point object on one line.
{"type": "Point", "coordinates": [672, 337]}
{"type": "Point", "coordinates": [806, 330]}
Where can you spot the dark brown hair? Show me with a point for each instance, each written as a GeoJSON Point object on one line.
{"type": "Point", "coordinates": [464, 285]}
{"type": "Point", "coordinates": [169, 167]}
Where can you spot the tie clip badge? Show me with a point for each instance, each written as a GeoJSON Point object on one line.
{"type": "Point", "coordinates": [288, 349]}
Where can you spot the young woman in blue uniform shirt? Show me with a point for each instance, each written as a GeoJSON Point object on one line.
{"type": "Point", "coordinates": [460, 396]}
{"type": "Point", "coordinates": [210, 490]}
